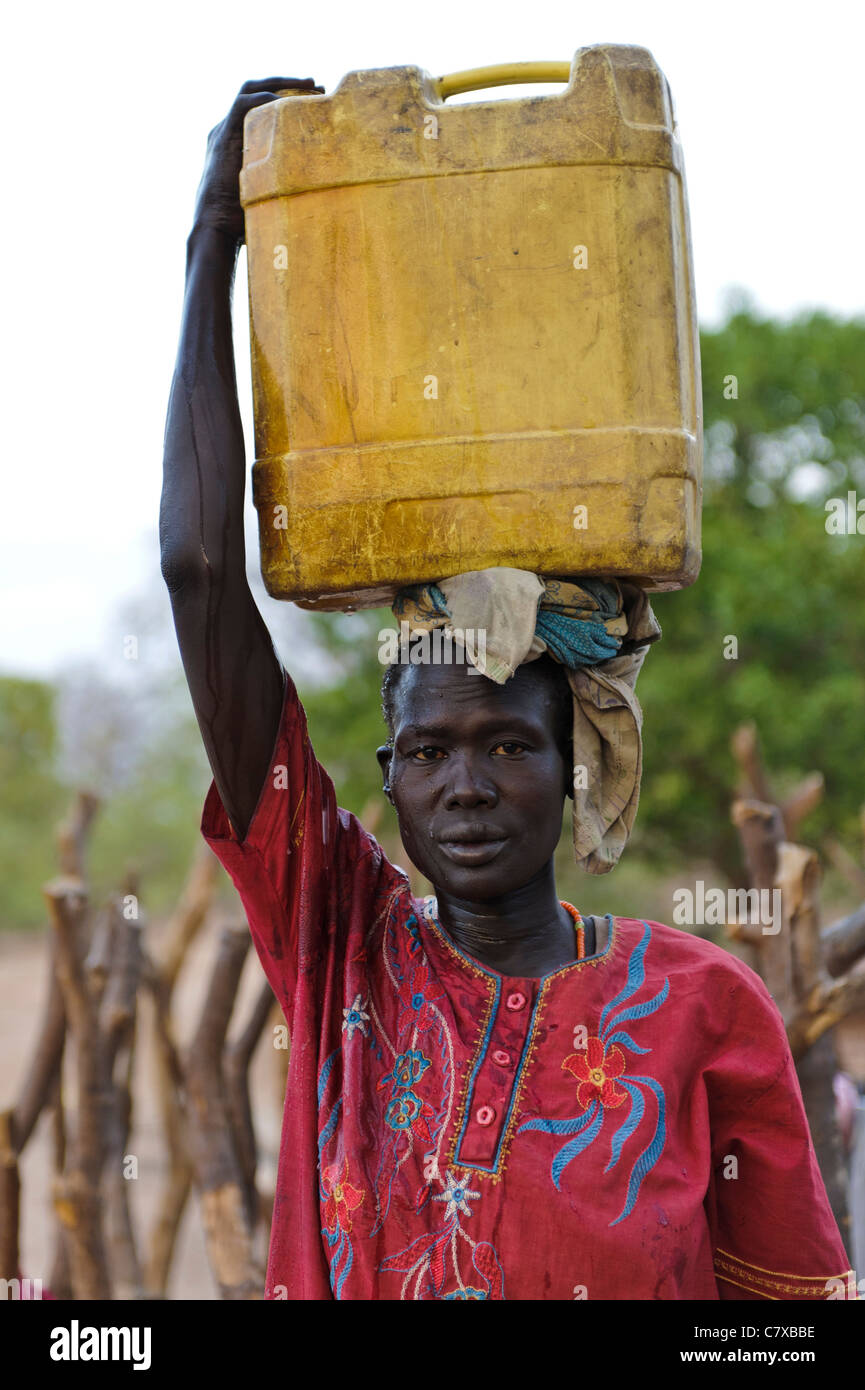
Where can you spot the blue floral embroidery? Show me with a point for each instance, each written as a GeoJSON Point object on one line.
{"type": "Point", "coordinates": [408, 1069]}
{"type": "Point", "coordinates": [337, 1196]}
{"type": "Point", "coordinates": [403, 1110]}
{"type": "Point", "coordinates": [411, 926]}
{"type": "Point", "coordinates": [457, 1197]}
{"type": "Point", "coordinates": [355, 1018]}
{"type": "Point", "coordinates": [601, 1072]}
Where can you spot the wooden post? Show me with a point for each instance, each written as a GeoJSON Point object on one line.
{"type": "Point", "coordinates": [216, 1163]}
{"type": "Point", "coordinates": [237, 1059]}
{"type": "Point", "coordinates": [78, 1197]}
{"type": "Point", "coordinates": [160, 977]}
{"type": "Point", "coordinates": [10, 1197]}
{"type": "Point", "coordinates": [799, 962]}
{"type": "Point", "coordinates": [117, 1027]}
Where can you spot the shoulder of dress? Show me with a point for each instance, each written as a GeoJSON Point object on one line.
{"type": "Point", "coordinates": [678, 949]}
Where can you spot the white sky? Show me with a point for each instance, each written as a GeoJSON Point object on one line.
{"type": "Point", "coordinates": [106, 110]}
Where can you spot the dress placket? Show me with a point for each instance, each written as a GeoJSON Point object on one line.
{"type": "Point", "coordinates": [493, 1087]}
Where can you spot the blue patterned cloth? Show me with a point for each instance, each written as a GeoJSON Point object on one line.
{"type": "Point", "coordinates": [573, 640]}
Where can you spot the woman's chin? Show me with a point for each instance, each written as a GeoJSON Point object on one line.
{"type": "Point", "coordinates": [490, 876]}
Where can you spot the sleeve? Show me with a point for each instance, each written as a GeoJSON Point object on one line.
{"type": "Point", "coordinates": [773, 1230]}
{"type": "Point", "coordinates": [307, 873]}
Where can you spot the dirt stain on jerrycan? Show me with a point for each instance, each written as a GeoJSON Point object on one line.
{"type": "Point", "coordinates": [474, 337]}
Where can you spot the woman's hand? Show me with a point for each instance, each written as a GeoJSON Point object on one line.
{"type": "Point", "coordinates": [218, 201]}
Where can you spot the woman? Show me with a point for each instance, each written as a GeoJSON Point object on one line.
{"type": "Point", "coordinates": [488, 1097]}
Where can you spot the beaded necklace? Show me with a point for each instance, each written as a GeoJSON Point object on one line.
{"type": "Point", "coordinates": [579, 927]}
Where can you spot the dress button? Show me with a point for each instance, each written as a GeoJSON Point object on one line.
{"type": "Point", "coordinates": [502, 1058]}
{"type": "Point", "coordinates": [515, 1000]}
{"type": "Point", "coordinates": [485, 1115]}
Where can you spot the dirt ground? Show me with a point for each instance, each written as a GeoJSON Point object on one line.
{"type": "Point", "coordinates": [23, 967]}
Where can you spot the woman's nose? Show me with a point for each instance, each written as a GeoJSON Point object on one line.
{"type": "Point", "coordinates": [469, 785]}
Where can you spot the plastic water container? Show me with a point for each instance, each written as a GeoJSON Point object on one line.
{"type": "Point", "coordinates": [474, 337]}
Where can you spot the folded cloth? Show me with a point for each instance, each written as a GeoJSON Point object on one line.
{"type": "Point", "coordinates": [599, 630]}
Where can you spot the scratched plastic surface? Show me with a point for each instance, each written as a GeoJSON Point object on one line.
{"type": "Point", "coordinates": [474, 335]}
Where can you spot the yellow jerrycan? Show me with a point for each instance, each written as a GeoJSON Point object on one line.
{"type": "Point", "coordinates": [474, 337]}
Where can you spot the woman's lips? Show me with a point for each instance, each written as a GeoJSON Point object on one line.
{"type": "Point", "coordinates": [471, 852]}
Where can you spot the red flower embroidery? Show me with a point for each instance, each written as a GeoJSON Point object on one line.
{"type": "Point", "coordinates": [342, 1198]}
{"type": "Point", "coordinates": [416, 997]}
{"type": "Point", "coordinates": [596, 1070]}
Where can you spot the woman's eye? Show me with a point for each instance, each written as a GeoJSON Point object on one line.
{"type": "Point", "coordinates": [428, 754]}
{"type": "Point", "coordinates": [509, 748]}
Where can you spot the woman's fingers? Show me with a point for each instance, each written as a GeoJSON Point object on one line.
{"type": "Point", "coordinates": [255, 84]}
{"type": "Point", "coordinates": [254, 94]}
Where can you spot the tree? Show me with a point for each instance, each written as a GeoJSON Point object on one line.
{"type": "Point", "coordinates": [28, 746]}
{"type": "Point", "coordinates": [790, 594]}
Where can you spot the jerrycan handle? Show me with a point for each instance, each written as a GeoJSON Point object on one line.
{"type": "Point", "coordinates": [501, 75]}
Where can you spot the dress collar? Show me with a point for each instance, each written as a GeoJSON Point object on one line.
{"type": "Point", "coordinates": [428, 916]}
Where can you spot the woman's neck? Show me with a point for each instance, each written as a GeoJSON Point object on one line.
{"type": "Point", "coordinates": [525, 933]}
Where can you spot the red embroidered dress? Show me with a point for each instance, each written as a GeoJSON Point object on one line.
{"type": "Point", "coordinates": [628, 1127]}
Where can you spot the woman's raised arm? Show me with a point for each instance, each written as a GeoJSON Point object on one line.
{"type": "Point", "coordinates": [232, 670]}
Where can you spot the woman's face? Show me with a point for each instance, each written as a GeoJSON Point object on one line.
{"type": "Point", "coordinates": [478, 776]}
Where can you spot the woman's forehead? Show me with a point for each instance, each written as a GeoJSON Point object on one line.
{"type": "Point", "coordinates": [446, 694]}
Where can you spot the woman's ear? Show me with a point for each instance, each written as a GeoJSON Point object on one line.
{"type": "Point", "coordinates": [384, 755]}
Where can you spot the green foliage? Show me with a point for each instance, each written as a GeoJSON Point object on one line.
{"type": "Point", "coordinates": [813, 366]}
{"type": "Point", "coordinates": [793, 598]}
{"type": "Point", "coordinates": [151, 823]}
{"type": "Point", "coordinates": [791, 594]}
{"type": "Point", "coordinates": [31, 797]}
{"type": "Point", "coordinates": [345, 720]}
